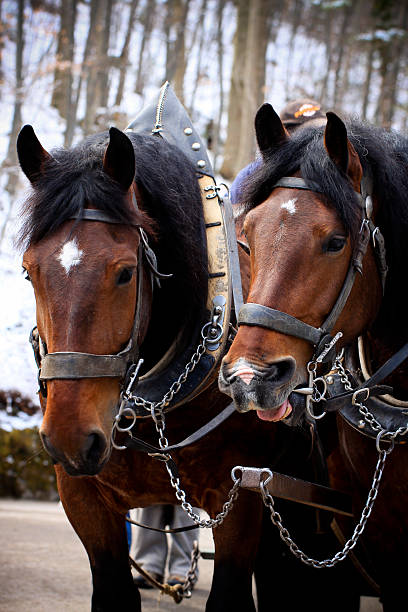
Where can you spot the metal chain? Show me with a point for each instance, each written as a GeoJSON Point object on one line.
{"type": "Point", "coordinates": [177, 384]}
{"type": "Point", "coordinates": [188, 509]}
{"type": "Point", "coordinates": [191, 577]}
{"type": "Point", "coordinates": [341, 555]}
{"type": "Point", "coordinates": [210, 333]}
{"type": "Point", "coordinates": [368, 417]}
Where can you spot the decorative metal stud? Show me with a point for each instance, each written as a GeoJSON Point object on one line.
{"type": "Point", "coordinates": [361, 424]}
{"type": "Point", "coordinates": [195, 146]}
{"type": "Point", "coordinates": [329, 380]}
{"type": "Point", "coordinates": [188, 131]}
{"type": "Point", "coordinates": [201, 163]}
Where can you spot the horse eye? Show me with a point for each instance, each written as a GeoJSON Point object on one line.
{"type": "Point", "coordinates": [125, 276]}
{"type": "Point", "coordinates": [26, 275]}
{"type": "Point", "coordinates": [335, 244]}
{"type": "Point", "coordinates": [244, 246]}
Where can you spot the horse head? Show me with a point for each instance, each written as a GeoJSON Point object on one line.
{"type": "Point", "coordinates": [85, 279]}
{"type": "Point", "coordinates": [303, 234]}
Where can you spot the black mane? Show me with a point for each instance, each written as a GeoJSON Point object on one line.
{"type": "Point", "coordinates": [171, 202]}
{"type": "Point", "coordinates": [383, 155]}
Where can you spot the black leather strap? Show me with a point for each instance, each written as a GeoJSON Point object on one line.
{"type": "Point", "coordinates": [295, 182]}
{"type": "Point", "coordinates": [337, 402]}
{"type": "Point", "coordinates": [259, 315]}
{"type": "Point", "coordinates": [146, 447]}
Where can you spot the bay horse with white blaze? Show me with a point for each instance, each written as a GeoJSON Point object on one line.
{"type": "Point", "coordinates": [93, 289]}
{"type": "Point", "coordinates": [325, 218]}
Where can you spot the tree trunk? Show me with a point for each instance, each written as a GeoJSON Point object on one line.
{"type": "Point", "coordinates": [324, 94]}
{"type": "Point", "coordinates": [93, 60]}
{"type": "Point", "coordinates": [231, 148]}
{"type": "Point", "coordinates": [391, 63]}
{"type": "Point", "coordinates": [147, 31]}
{"type": "Point", "coordinates": [11, 161]}
{"type": "Point", "coordinates": [2, 28]}
{"type": "Point", "coordinates": [102, 80]}
{"type": "Point", "coordinates": [220, 58]}
{"type": "Point", "coordinates": [175, 25]}
{"type": "Point", "coordinates": [367, 82]}
{"type": "Point", "coordinates": [201, 34]}
{"type": "Point", "coordinates": [343, 43]}
{"type": "Point", "coordinates": [296, 19]}
{"type": "Point", "coordinates": [62, 92]}
{"type": "Point", "coordinates": [124, 56]}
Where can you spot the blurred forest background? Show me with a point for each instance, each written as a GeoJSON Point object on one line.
{"type": "Point", "coordinates": [73, 67]}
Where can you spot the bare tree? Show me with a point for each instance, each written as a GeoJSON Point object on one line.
{"type": "Point", "coordinates": [201, 36]}
{"type": "Point", "coordinates": [247, 87]}
{"type": "Point", "coordinates": [147, 22]}
{"type": "Point", "coordinates": [94, 59]}
{"type": "Point", "coordinates": [123, 60]}
{"type": "Point", "coordinates": [63, 78]}
{"type": "Point", "coordinates": [175, 25]}
{"type": "Point", "coordinates": [2, 30]}
{"type": "Point", "coordinates": [11, 161]}
{"type": "Point", "coordinates": [220, 57]}
{"type": "Point", "coordinates": [228, 168]}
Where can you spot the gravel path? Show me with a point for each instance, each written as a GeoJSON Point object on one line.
{"type": "Point", "coordinates": [44, 568]}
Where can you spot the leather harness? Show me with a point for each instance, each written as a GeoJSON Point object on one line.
{"type": "Point", "coordinates": [321, 338]}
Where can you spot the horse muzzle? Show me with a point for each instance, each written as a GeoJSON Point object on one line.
{"type": "Point", "coordinates": [258, 387]}
{"type": "Point", "coordinates": [88, 460]}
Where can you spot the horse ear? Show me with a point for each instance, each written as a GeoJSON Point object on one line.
{"type": "Point", "coordinates": [340, 149]}
{"type": "Point", "coordinates": [119, 159]}
{"type": "Point", "coordinates": [270, 131]}
{"type": "Point", "coordinates": [31, 155]}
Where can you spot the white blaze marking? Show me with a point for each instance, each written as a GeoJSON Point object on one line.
{"type": "Point", "coordinates": [290, 206]}
{"type": "Point", "coordinates": [70, 255]}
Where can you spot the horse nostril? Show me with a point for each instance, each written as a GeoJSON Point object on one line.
{"type": "Point", "coordinates": [94, 447]}
{"type": "Point", "coordinates": [282, 371]}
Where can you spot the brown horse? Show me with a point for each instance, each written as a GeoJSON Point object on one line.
{"type": "Point", "coordinates": [82, 236]}
{"type": "Point", "coordinates": [315, 215]}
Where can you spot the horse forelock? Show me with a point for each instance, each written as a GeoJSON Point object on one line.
{"type": "Point", "coordinates": [72, 181]}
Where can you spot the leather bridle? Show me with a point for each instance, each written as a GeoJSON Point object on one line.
{"type": "Point", "coordinates": [75, 365]}
{"type": "Point", "coordinates": [321, 337]}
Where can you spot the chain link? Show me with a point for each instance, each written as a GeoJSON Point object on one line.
{"type": "Point", "coordinates": [177, 384]}
{"type": "Point", "coordinates": [341, 555]}
{"type": "Point", "coordinates": [188, 509]}
{"type": "Point", "coordinates": [382, 435]}
{"type": "Point", "coordinates": [191, 577]}
{"type": "Point", "coordinates": [158, 416]}
{"type": "Point", "coordinates": [368, 417]}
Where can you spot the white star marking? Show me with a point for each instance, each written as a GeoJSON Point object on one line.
{"type": "Point", "coordinates": [70, 255]}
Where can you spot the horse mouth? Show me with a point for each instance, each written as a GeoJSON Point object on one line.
{"type": "Point", "coordinates": [273, 414]}
{"type": "Point", "coordinates": [251, 389]}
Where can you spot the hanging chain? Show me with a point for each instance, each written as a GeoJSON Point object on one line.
{"type": "Point", "coordinates": [210, 333]}
{"type": "Point", "coordinates": [315, 394]}
{"type": "Point", "coordinates": [341, 555]}
{"type": "Point", "coordinates": [191, 577]}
